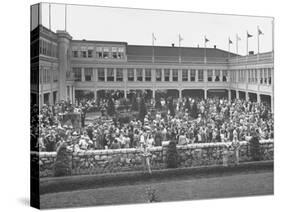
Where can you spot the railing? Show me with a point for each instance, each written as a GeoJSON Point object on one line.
{"type": "Point", "coordinates": [260, 58]}
{"type": "Point", "coordinates": [175, 59]}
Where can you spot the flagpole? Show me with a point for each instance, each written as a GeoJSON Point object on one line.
{"type": "Point", "coordinates": [179, 48]}
{"type": "Point", "coordinates": [258, 39]}
{"type": "Point", "coordinates": [205, 53]}
{"type": "Point", "coordinates": [50, 16]}
{"type": "Point", "coordinates": [228, 48]}
{"type": "Point", "coordinates": [237, 47]}
{"type": "Point", "coordinates": [65, 13]}
{"type": "Point", "coordinates": [152, 47]}
{"type": "Point", "coordinates": [247, 44]}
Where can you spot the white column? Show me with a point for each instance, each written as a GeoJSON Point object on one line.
{"type": "Point", "coordinates": [180, 93]}
{"type": "Point", "coordinates": [153, 93]}
{"type": "Point", "coordinates": [114, 74]}
{"type": "Point", "coordinates": [229, 95]}
{"type": "Point", "coordinates": [258, 98]}
{"type": "Point", "coordinates": [83, 74]}
{"type": "Point", "coordinates": [205, 93]}
{"type": "Point", "coordinates": [237, 94]}
{"type": "Point", "coordinates": [135, 75]}
{"type": "Point", "coordinates": [196, 75]}
{"type": "Point", "coordinates": [105, 74]}
{"type": "Point", "coordinates": [272, 103]}
{"type": "Point", "coordinates": [247, 96]}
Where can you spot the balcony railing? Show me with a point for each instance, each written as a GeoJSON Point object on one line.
{"type": "Point", "coordinates": [175, 59]}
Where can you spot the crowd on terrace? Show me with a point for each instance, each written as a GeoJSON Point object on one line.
{"type": "Point", "coordinates": [183, 121]}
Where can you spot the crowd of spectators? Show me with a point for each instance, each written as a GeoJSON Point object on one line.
{"type": "Point", "coordinates": [184, 121]}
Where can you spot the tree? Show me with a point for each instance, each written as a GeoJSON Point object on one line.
{"type": "Point", "coordinates": [172, 155]}
{"type": "Point", "coordinates": [142, 109]}
{"type": "Point", "coordinates": [134, 103]}
{"type": "Point", "coordinates": [171, 108]}
{"type": "Point", "coordinates": [158, 105]}
{"type": "Point", "coordinates": [187, 104]}
{"type": "Point", "coordinates": [62, 165]}
{"type": "Point", "coordinates": [255, 148]}
{"type": "Point", "coordinates": [110, 107]}
{"type": "Point", "coordinates": [194, 110]}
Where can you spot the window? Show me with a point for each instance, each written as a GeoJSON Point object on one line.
{"type": "Point", "coordinates": [158, 75]}
{"type": "Point", "coordinates": [200, 75]}
{"type": "Point", "coordinates": [210, 75]}
{"type": "Point", "coordinates": [217, 75]}
{"type": "Point", "coordinates": [184, 75]}
{"type": "Point", "coordinates": [269, 76]}
{"type": "Point", "coordinates": [84, 54]}
{"type": "Point", "coordinates": [131, 74]}
{"type": "Point", "coordinates": [44, 47]}
{"type": "Point", "coordinates": [192, 75]}
{"type": "Point", "coordinates": [90, 53]}
{"type": "Point", "coordinates": [139, 74]}
{"type": "Point", "coordinates": [167, 75]}
{"type": "Point", "coordinates": [114, 52]}
{"type": "Point", "coordinates": [261, 76]}
{"type": "Point", "coordinates": [74, 53]}
{"type": "Point", "coordinates": [110, 74]}
{"type": "Point", "coordinates": [224, 75]}
{"type": "Point", "coordinates": [265, 76]}
{"type": "Point", "coordinates": [101, 73]}
{"type": "Point", "coordinates": [40, 46]}
{"type": "Point", "coordinates": [175, 75]}
{"type": "Point", "coordinates": [77, 74]}
{"type": "Point", "coordinates": [249, 75]}
{"type": "Point", "coordinates": [147, 74]}
{"type": "Point", "coordinates": [119, 75]}
{"type": "Point", "coordinates": [99, 52]}
{"type": "Point", "coordinates": [120, 52]}
{"type": "Point", "coordinates": [105, 52]}
{"type": "Point", "coordinates": [55, 75]}
{"type": "Point", "coordinates": [88, 74]}
{"type": "Point", "coordinates": [256, 75]}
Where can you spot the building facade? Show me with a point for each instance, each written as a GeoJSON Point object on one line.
{"type": "Point", "coordinates": [68, 68]}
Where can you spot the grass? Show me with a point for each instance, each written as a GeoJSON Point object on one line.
{"type": "Point", "coordinates": [260, 183]}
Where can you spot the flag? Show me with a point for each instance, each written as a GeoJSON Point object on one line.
{"type": "Point", "coordinates": [153, 37]}
{"type": "Point", "coordinates": [249, 35]}
{"type": "Point", "coordinates": [180, 38]}
{"type": "Point", "coordinates": [260, 32]}
{"type": "Point", "coordinates": [237, 37]}
{"type": "Point", "coordinates": [206, 40]}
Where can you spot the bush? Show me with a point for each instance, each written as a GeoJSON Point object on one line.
{"type": "Point", "coordinates": [110, 107]}
{"type": "Point", "coordinates": [172, 155]}
{"type": "Point", "coordinates": [62, 165]}
{"type": "Point", "coordinates": [255, 148]}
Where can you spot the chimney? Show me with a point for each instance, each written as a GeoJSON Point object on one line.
{"type": "Point", "coordinates": [173, 45]}
{"type": "Point", "coordinates": [215, 46]}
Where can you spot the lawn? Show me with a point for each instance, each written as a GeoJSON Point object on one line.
{"type": "Point", "coordinates": [260, 183]}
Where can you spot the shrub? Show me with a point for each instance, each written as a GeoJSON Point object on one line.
{"type": "Point", "coordinates": [151, 195]}
{"type": "Point", "coordinates": [110, 107]}
{"type": "Point", "coordinates": [142, 109]}
{"type": "Point", "coordinates": [172, 155]}
{"type": "Point", "coordinates": [62, 165]}
{"type": "Point", "coordinates": [255, 148]}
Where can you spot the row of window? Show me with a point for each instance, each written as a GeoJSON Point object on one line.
{"type": "Point", "coordinates": [262, 76]}
{"type": "Point", "coordinates": [47, 74]}
{"type": "Point", "coordinates": [141, 75]}
{"type": "Point", "coordinates": [47, 48]}
{"type": "Point", "coordinates": [100, 52]}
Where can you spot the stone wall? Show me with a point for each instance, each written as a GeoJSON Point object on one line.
{"type": "Point", "coordinates": [111, 161]}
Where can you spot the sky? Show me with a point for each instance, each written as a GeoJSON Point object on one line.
{"type": "Point", "coordinates": [135, 26]}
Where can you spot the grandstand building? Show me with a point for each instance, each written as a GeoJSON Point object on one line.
{"type": "Point", "coordinates": [68, 68]}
